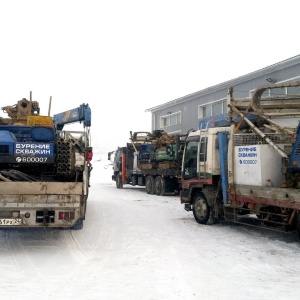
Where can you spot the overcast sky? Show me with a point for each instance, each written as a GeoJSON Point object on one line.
{"type": "Point", "coordinates": [123, 57]}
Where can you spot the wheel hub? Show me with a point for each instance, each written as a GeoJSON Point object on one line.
{"type": "Point", "coordinates": [201, 208]}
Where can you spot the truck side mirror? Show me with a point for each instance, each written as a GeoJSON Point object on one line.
{"type": "Point", "coordinates": [109, 155]}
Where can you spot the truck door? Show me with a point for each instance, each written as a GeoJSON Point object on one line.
{"type": "Point", "coordinates": [190, 159]}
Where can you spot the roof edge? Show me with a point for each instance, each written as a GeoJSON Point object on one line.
{"type": "Point", "coordinates": [287, 63]}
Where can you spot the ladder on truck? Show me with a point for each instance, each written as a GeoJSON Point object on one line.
{"type": "Point", "coordinates": [202, 151]}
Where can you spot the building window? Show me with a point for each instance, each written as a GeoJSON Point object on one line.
{"type": "Point", "coordinates": [174, 132]}
{"type": "Point", "coordinates": [217, 108]}
{"type": "Point", "coordinates": [274, 92]}
{"type": "Point", "coordinates": [279, 91]}
{"type": "Point", "coordinates": [170, 120]}
{"type": "Point", "coordinates": [293, 90]}
{"type": "Point", "coordinates": [212, 109]}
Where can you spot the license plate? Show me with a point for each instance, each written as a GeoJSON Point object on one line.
{"type": "Point", "coordinates": [11, 222]}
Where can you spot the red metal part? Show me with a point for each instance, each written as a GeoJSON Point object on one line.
{"type": "Point", "coordinates": [284, 203]}
{"type": "Point", "coordinates": [88, 156]}
{"type": "Point", "coordinates": [187, 183]}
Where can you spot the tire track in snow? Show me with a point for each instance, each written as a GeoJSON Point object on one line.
{"type": "Point", "coordinates": [79, 249]}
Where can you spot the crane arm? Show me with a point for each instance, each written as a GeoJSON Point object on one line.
{"type": "Point", "coordinates": [79, 114]}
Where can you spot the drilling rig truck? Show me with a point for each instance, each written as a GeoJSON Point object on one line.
{"type": "Point", "coordinates": [44, 170]}
{"type": "Point", "coordinates": [152, 160]}
{"type": "Point", "coordinates": [244, 166]}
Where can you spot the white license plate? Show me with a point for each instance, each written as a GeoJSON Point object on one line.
{"type": "Point", "coordinates": [11, 222]}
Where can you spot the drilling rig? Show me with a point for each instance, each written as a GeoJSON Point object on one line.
{"type": "Point", "coordinates": [44, 170]}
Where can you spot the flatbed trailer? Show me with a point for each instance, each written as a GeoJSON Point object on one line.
{"type": "Point", "coordinates": [153, 161]}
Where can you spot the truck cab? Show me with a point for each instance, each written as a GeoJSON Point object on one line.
{"type": "Point", "coordinates": [201, 156]}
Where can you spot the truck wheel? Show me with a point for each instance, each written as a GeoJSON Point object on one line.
{"type": "Point", "coordinates": [134, 180]}
{"type": "Point", "coordinates": [149, 184]}
{"type": "Point", "coordinates": [119, 182]}
{"type": "Point", "coordinates": [78, 225]}
{"type": "Point", "coordinates": [163, 186]}
{"type": "Point", "coordinates": [160, 186]}
{"type": "Point", "coordinates": [201, 209]}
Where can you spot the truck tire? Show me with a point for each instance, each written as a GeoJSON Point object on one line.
{"type": "Point", "coordinates": [78, 225]}
{"type": "Point", "coordinates": [201, 209]}
{"type": "Point", "coordinates": [163, 186]}
{"type": "Point", "coordinates": [159, 186]}
{"type": "Point", "coordinates": [119, 182]}
{"type": "Point", "coordinates": [149, 184]}
{"type": "Point", "coordinates": [134, 180]}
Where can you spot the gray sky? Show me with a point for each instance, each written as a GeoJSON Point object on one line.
{"type": "Point", "coordinates": [122, 57]}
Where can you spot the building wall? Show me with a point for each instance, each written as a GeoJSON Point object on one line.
{"type": "Point", "coordinates": [188, 106]}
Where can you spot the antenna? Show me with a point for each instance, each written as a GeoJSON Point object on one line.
{"type": "Point", "coordinates": [49, 106]}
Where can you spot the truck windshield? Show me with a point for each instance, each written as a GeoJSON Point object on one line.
{"type": "Point", "coordinates": [190, 160]}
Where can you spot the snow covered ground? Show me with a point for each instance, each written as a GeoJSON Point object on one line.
{"type": "Point", "coordinates": [136, 246]}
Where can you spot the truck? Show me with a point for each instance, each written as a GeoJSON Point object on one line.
{"type": "Point", "coordinates": [244, 166]}
{"type": "Point", "coordinates": [149, 159]}
{"type": "Point", "coordinates": [44, 170]}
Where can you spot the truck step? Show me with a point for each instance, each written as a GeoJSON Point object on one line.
{"type": "Point", "coordinates": [188, 207]}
